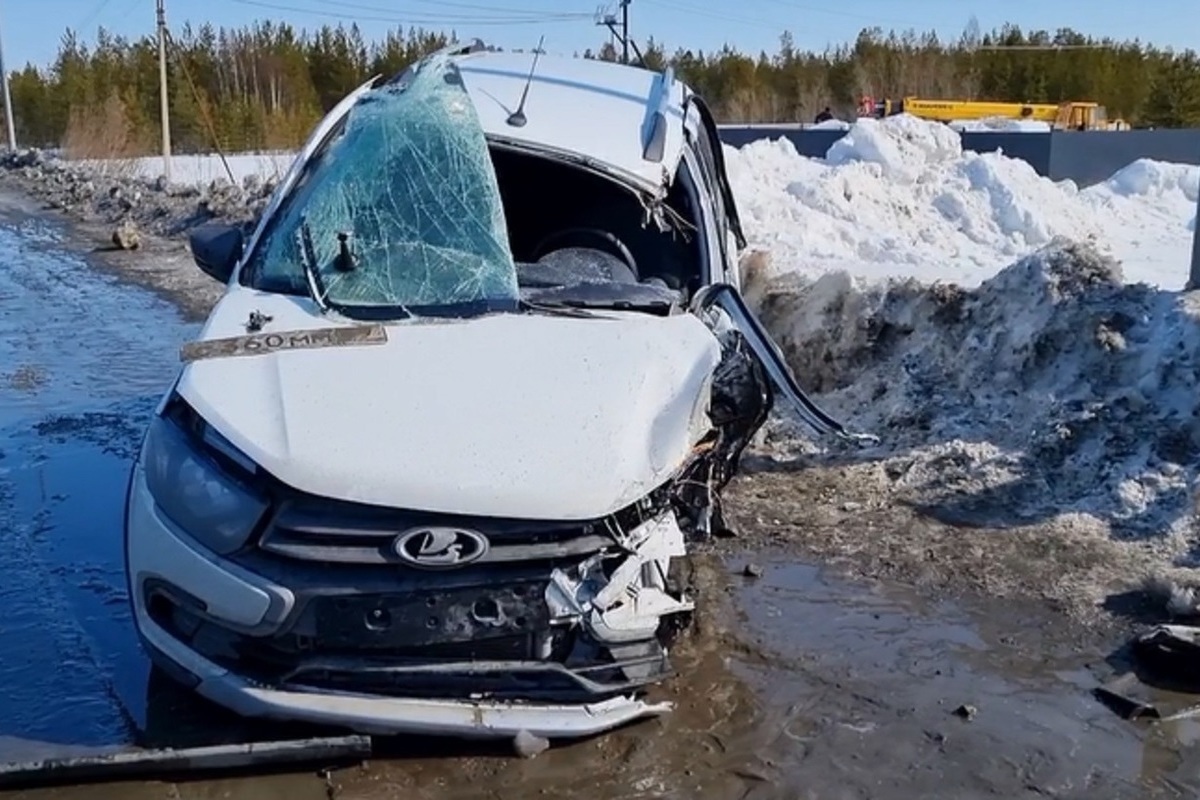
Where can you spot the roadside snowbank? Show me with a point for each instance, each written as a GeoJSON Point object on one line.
{"type": "Point", "coordinates": [899, 197]}
{"type": "Point", "coordinates": [1054, 390]}
{"type": "Point", "coordinates": [197, 170]}
{"type": "Point", "coordinates": [110, 193]}
{"type": "Point", "coordinates": [1001, 333]}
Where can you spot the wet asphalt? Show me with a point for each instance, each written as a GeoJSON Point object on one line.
{"type": "Point", "coordinates": [83, 360]}
{"type": "Point", "coordinates": [796, 683]}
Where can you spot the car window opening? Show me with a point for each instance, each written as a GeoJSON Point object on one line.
{"type": "Point", "coordinates": [580, 237]}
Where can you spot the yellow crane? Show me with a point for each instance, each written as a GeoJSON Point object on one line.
{"type": "Point", "coordinates": [1071, 115]}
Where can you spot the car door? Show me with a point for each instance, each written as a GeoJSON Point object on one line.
{"type": "Point", "coordinates": [721, 304]}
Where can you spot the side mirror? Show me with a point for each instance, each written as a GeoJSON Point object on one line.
{"type": "Point", "coordinates": [216, 249]}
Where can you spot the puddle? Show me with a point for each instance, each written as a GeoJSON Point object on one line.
{"type": "Point", "coordinates": [83, 360]}
{"type": "Point", "coordinates": [867, 681]}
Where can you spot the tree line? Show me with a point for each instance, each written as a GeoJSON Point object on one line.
{"type": "Point", "coordinates": [264, 86]}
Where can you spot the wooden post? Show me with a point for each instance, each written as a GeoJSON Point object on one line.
{"type": "Point", "coordinates": [162, 89]}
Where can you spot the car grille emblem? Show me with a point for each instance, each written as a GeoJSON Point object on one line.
{"type": "Point", "coordinates": [440, 548]}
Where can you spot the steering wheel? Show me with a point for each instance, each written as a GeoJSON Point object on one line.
{"type": "Point", "coordinates": [578, 237]}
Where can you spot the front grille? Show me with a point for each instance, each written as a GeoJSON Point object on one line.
{"type": "Point", "coordinates": [349, 534]}
{"type": "Point", "coordinates": [334, 645]}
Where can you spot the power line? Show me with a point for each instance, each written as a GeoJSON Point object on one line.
{"type": "Point", "coordinates": [833, 12]}
{"type": "Point", "coordinates": [200, 104]}
{"type": "Point", "coordinates": [410, 20]}
{"type": "Point", "coordinates": [95, 12]}
{"type": "Point", "coordinates": [1096, 46]}
{"type": "Point", "coordinates": [609, 20]}
{"type": "Point", "coordinates": [705, 12]}
{"type": "Point", "coordinates": [528, 12]}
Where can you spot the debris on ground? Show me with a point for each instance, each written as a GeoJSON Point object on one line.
{"type": "Point", "coordinates": [967, 712]}
{"type": "Point", "coordinates": [126, 236]}
{"type": "Point", "coordinates": [1164, 683]}
{"type": "Point", "coordinates": [527, 745]}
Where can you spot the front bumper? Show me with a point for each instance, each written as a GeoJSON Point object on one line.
{"type": "Point", "coordinates": [250, 607]}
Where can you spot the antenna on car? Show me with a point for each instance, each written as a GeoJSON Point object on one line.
{"type": "Point", "coordinates": [517, 118]}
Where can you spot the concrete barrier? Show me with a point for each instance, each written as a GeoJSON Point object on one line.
{"type": "Point", "coordinates": [1086, 157]}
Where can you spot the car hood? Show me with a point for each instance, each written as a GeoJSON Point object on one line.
{"type": "Point", "coordinates": [507, 415]}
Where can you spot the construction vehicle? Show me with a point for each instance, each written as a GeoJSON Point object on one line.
{"type": "Point", "coordinates": [1070, 115]}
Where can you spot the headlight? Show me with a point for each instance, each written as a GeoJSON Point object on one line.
{"type": "Point", "coordinates": [197, 495]}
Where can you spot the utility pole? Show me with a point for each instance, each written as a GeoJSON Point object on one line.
{"type": "Point", "coordinates": [625, 31]}
{"type": "Point", "coordinates": [8, 113]}
{"type": "Point", "coordinates": [163, 92]}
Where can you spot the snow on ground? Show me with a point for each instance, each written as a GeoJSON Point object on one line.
{"type": "Point", "coordinates": [1020, 346]}
{"type": "Point", "coordinates": [1000, 125]}
{"type": "Point", "coordinates": [900, 197]}
{"type": "Point", "coordinates": [199, 170]}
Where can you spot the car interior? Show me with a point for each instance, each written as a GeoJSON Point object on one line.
{"type": "Point", "coordinates": [579, 238]}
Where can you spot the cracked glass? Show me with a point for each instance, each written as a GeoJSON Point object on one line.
{"type": "Point", "coordinates": [401, 210]}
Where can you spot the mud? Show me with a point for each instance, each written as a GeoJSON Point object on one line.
{"type": "Point", "coordinates": [836, 673]}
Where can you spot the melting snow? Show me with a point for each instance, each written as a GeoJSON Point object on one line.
{"type": "Point", "coordinates": [1019, 345]}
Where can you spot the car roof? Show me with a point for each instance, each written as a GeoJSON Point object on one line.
{"type": "Point", "coordinates": [578, 106]}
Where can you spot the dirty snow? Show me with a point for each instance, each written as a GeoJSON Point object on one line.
{"type": "Point", "coordinates": [1020, 346]}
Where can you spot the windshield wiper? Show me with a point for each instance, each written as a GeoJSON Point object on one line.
{"type": "Point", "coordinates": [556, 309]}
{"type": "Point", "coordinates": [308, 260]}
{"type": "Point", "coordinates": [584, 306]}
{"type": "Point", "coordinates": [318, 292]}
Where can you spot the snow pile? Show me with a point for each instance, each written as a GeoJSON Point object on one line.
{"type": "Point", "coordinates": [899, 196]}
{"type": "Point", "coordinates": [1000, 125]}
{"type": "Point", "coordinates": [902, 146]}
{"type": "Point", "coordinates": [1052, 390]}
{"type": "Point", "coordinates": [1146, 178]}
{"type": "Point", "coordinates": [831, 125]}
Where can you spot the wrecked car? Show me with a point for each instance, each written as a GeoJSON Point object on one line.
{"type": "Point", "coordinates": [478, 377]}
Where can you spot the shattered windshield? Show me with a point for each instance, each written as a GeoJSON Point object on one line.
{"type": "Point", "coordinates": [401, 211]}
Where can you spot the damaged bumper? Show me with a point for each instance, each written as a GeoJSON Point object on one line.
{"type": "Point", "coordinates": [559, 647]}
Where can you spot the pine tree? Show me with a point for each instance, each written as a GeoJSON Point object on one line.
{"type": "Point", "coordinates": [265, 85]}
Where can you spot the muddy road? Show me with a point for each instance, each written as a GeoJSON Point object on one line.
{"type": "Point", "coordinates": [798, 681]}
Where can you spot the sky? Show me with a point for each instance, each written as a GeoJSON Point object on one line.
{"type": "Point", "coordinates": [30, 30]}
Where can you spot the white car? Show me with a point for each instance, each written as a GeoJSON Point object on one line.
{"type": "Point", "coordinates": [479, 374]}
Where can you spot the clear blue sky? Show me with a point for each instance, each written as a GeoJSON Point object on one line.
{"type": "Point", "coordinates": [31, 29]}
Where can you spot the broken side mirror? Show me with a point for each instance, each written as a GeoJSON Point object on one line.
{"type": "Point", "coordinates": [216, 249]}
